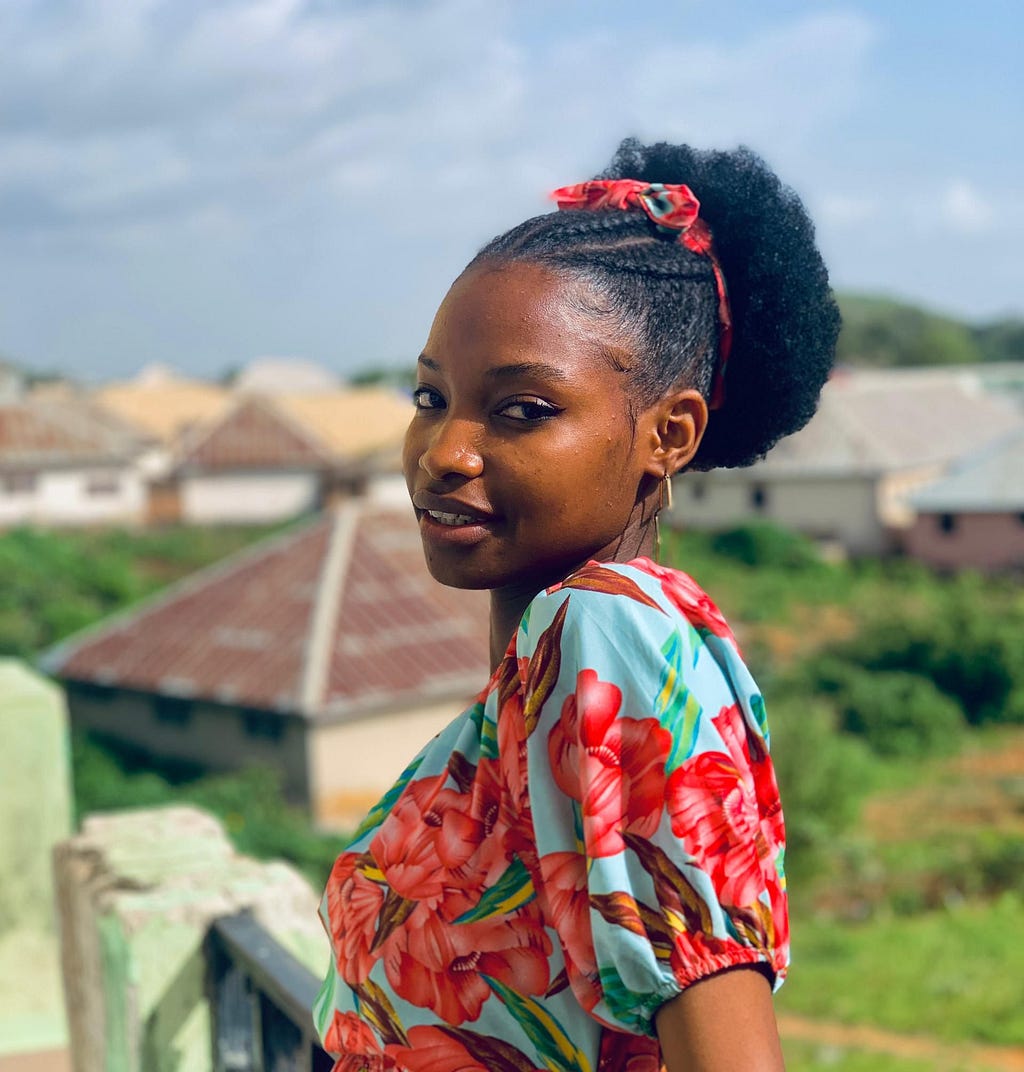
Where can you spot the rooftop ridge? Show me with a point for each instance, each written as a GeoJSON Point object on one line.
{"type": "Point", "coordinates": [326, 608]}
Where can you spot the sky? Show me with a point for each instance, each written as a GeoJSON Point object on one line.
{"type": "Point", "coordinates": [204, 182]}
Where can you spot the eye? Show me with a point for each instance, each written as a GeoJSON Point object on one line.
{"type": "Point", "coordinates": [530, 410]}
{"type": "Point", "coordinates": [427, 398]}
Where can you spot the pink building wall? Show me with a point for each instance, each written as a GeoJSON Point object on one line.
{"type": "Point", "coordinates": [979, 541]}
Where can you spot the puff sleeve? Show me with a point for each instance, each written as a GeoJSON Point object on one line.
{"type": "Point", "coordinates": [647, 777]}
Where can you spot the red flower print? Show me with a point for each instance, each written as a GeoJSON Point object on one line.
{"type": "Point", "coordinates": [565, 899]}
{"type": "Point", "coordinates": [440, 846]}
{"type": "Point", "coordinates": [452, 1049]}
{"type": "Point", "coordinates": [440, 966]}
{"type": "Point", "coordinates": [614, 766]}
{"type": "Point", "coordinates": [352, 1038]}
{"type": "Point", "coordinates": [621, 1052]}
{"type": "Point", "coordinates": [690, 599]}
{"type": "Point", "coordinates": [727, 812]}
{"type": "Point", "coordinates": [353, 907]}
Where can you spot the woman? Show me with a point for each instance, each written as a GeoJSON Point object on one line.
{"type": "Point", "coordinates": [584, 870]}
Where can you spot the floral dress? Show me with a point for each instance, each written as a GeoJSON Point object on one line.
{"type": "Point", "coordinates": [600, 829]}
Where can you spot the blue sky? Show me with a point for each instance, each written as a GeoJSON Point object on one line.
{"type": "Point", "coordinates": [202, 182]}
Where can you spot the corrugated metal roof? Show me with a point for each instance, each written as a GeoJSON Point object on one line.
{"type": "Point", "coordinates": [45, 433]}
{"type": "Point", "coordinates": [335, 619]}
{"type": "Point", "coordinates": [988, 481]}
{"type": "Point", "coordinates": [873, 422]}
{"type": "Point", "coordinates": [164, 407]}
{"type": "Point", "coordinates": [353, 422]}
{"type": "Point", "coordinates": [253, 434]}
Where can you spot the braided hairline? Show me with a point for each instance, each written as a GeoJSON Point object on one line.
{"type": "Point", "coordinates": [671, 313]}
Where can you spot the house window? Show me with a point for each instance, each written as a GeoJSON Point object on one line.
{"type": "Point", "coordinates": [22, 483]}
{"type": "Point", "coordinates": [759, 498]}
{"type": "Point", "coordinates": [90, 690]}
{"type": "Point", "coordinates": [172, 710]}
{"type": "Point", "coordinates": [100, 484]}
{"type": "Point", "coordinates": [263, 724]}
{"type": "Point", "coordinates": [947, 523]}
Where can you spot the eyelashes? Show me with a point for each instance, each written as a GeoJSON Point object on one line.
{"type": "Point", "coordinates": [524, 409]}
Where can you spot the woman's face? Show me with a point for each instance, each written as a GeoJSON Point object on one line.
{"type": "Point", "coordinates": [521, 460]}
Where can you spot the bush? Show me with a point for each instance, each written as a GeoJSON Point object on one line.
{"type": "Point", "coordinates": [898, 714]}
{"type": "Point", "coordinates": [249, 803]}
{"type": "Point", "coordinates": [763, 545]}
{"type": "Point", "coordinates": [823, 777]}
{"type": "Point", "coordinates": [968, 652]}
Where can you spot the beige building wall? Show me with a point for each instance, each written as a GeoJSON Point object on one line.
{"type": "Point", "coordinates": [840, 508]}
{"type": "Point", "coordinates": [353, 764]}
{"type": "Point", "coordinates": [979, 541]}
{"type": "Point", "coordinates": [248, 498]}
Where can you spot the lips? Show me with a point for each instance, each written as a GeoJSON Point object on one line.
{"type": "Point", "coordinates": [450, 511]}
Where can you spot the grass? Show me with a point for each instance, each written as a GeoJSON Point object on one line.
{"type": "Point", "coordinates": [954, 974]}
{"type": "Point", "coordinates": [825, 1057]}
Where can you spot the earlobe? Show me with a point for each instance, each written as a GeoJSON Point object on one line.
{"type": "Point", "coordinates": [677, 428]}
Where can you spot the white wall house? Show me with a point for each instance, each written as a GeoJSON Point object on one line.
{"type": "Point", "coordinates": [71, 495]}
{"type": "Point", "coordinates": [60, 465]}
{"type": "Point", "coordinates": [256, 496]}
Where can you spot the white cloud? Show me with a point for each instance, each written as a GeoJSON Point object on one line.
{"type": "Point", "coordinates": [844, 209]}
{"type": "Point", "coordinates": [137, 108]}
{"type": "Point", "coordinates": [964, 210]}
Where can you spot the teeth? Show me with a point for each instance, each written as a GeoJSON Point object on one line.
{"type": "Point", "coordinates": [451, 519]}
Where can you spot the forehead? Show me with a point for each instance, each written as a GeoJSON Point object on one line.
{"type": "Point", "coordinates": [524, 311]}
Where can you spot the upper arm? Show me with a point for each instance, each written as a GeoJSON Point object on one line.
{"type": "Point", "coordinates": [721, 1023]}
{"type": "Point", "coordinates": [660, 842]}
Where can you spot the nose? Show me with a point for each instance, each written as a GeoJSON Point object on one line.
{"type": "Point", "coordinates": [453, 449]}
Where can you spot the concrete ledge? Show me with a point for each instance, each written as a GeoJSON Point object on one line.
{"type": "Point", "coordinates": [136, 893]}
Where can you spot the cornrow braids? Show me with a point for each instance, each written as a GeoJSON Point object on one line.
{"type": "Point", "coordinates": [785, 320]}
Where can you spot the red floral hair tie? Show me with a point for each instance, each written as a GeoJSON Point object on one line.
{"type": "Point", "coordinates": [672, 208]}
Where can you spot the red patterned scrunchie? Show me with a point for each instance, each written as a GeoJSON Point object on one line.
{"type": "Point", "coordinates": [672, 208]}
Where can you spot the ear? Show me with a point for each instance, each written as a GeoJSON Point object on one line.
{"type": "Point", "coordinates": [675, 426]}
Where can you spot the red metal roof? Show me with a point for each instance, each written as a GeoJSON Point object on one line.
{"type": "Point", "coordinates": [41, 433]}
{"type": "Point", "coordinates": [254, 435]}
{"type": "Point", "coordinates": [335, 620]}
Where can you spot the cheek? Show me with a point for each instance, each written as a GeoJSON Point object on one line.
{"type": "Point", "coordinates": [411, 451]}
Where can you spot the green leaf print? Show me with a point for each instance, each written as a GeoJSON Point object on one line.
{"type": "Point", "coordinates": [628, 1006]}
{"type": "Point", "coordinates": [675, 706]}
{"type": "Point", "coordinates": [761, 715]}
{"type": "Point", "coordinates": [553, 1045]}
{"type": "Point", "coordinates": [511, 891]}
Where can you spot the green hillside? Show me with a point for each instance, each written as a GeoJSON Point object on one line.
{"type": "Point", "coordinates": [881, 332]}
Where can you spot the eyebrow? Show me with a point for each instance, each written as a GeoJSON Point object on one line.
{"type": "Point", "coordinates": [538, 369]}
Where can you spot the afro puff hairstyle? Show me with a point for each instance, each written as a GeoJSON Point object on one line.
{"type": "Point", "coordinates": [785, 320]}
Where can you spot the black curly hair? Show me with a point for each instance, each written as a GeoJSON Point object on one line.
{"type": "Point", "coordinates": [785, 320]}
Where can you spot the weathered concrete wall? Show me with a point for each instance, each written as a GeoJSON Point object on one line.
{"type": "Point", "coordinates": [35, 813]}
{"type": "Point", "coordinates": [35, 798]}
{"type": "Point", "coordinates": [137, 892]}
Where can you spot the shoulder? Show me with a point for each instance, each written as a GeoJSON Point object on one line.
{"type": "Point", "coordinates": [649, 629]}
{"type": "Point", "coordinates": [634, 599]}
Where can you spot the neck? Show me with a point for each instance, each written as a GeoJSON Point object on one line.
{"type": "Point", "coordinates": [508, 604]}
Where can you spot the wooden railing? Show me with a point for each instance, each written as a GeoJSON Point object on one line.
{"type": "Point", "coordinates": [261, 998]}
